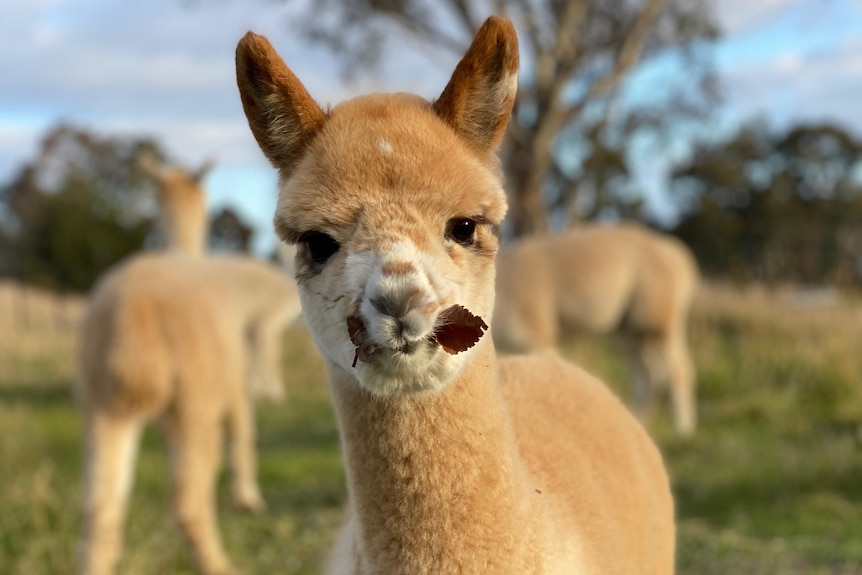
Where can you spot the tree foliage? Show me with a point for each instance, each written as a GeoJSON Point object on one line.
{"type": "Point", "coordinates": [228, 232]}
{"type": "Point", "coordinates": [567, 145]}
{"type": "Point", "coordinates": [776, 206]}
{"type": "Point", "coordinates": [80, 205]}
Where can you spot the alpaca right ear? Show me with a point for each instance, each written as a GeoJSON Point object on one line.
{"type": "Point", "coordinates": [207, 165]}
{"type": "Point", "coordinates": [281, 114]}
{"type": "Point", "coordinates": [477, 102]}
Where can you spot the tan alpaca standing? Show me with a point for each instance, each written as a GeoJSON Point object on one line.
{"type": "Point", "coordinates": [603, 279]}
{"type": "Point", "coordinates": [457, 461]}
{"type": "Point", "coordinates": [182, 339]}
{"type": "Point", "coordinates": [183, 221]}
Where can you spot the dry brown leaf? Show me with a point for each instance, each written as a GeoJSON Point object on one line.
{"type": "Point", "coordinates": [458, 329]}
{"type": "Point", "coordinates": [359, 337]}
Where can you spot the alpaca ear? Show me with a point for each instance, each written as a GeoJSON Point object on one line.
{"type": "Point", "coordinates": [199, 174]}
{"type": "Point", "coordinates": [478, 100]}
{"type": "Point", "coordinates": [150, 165]}
{"type": "Point", "coordinates": [281, 114]}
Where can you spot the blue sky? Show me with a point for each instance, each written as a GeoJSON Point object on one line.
{"type": "Point", "coordinates": [165, 68]}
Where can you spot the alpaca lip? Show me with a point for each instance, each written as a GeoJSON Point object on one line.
{"type": "Point", "coordinates": [457, 330]}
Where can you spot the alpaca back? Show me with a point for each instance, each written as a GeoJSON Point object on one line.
{"type": "Point", "coordinates": [151, 331]}
{"type": "Point", "coordinates": [590, 278]}
{"type": "Point", "coordinates": [568, 424]}
{"type": "Point", "coordinates": [666, 284]}
{"type": "Point", "coordinates": [256, 289]}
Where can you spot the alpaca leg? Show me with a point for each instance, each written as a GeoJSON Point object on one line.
{"type": "Point", "coordinates": [681, 375]}
{"type": "Point", "coordinates": [110, 451]}
{"type": "Point", "coordinates": [641, 386]}
{"type": "Point", "coordinates": [246, 492]}
{"type": "Point", "coordinates": [195, 443]}
{"type": "Point", "coordinates": [264, 352]}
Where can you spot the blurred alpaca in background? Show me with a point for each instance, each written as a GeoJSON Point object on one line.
{"type": "Point", "coordinates": [623, 278]}
{"type": "Point", "coordinates": [184, 223]}
{"type": "Point", "coordinates": [184, 339]}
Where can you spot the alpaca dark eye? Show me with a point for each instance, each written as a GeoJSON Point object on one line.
{"type": "Point", "coordinates": [461, 230]}
{"type": "Point", "coordinates": [320, 246]}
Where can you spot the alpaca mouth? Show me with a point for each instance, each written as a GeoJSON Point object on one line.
{"type": "Point", "coordinates": [456, 330]}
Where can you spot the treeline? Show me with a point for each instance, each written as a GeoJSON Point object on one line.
{"type": "Point", "coordinates": [82, 204]}
{"type": "Point", "coordinates": [761, 205]}
{"type": "Point", "coordinates": [775, 206]}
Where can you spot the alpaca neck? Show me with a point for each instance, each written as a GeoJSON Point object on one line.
{"type": "Point", "coordinates": [185, 234]}
{"type": "Point", "coordinates": [434, 479]}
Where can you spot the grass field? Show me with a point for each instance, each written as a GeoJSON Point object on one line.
{"type": "Point", "coordinates": [771, 484]}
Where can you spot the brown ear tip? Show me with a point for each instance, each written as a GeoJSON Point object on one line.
{"type": "Point", "coordinates": [501, 27]}
{"type": "Point", "coordinates": [251, 42]}
{"type": "Point", "coordinates": [500, 33]}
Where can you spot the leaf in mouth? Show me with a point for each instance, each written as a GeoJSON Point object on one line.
{"type": "Point", "coordinates": [358, 334]}
{"type": "Point", "coordinates": [458, 330]}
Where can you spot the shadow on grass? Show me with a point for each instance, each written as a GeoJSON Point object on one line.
{"type": "Point", "coordinates": [44, 394]}
{"type": "Point", "coordinates": [307, 497]}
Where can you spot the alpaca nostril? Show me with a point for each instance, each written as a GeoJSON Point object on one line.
{"type": "Point", "coordinates": [390, 306]}
{"type": "Point", "coordinates": [381, 305]}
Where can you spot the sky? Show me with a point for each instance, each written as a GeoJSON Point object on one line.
{"type": "Point", "coordinates": [165, 68]}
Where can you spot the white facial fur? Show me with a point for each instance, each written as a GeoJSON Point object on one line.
{"type": "Point", "coordinates": [398, 291]}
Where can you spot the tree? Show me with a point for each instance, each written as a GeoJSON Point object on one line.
{"type": "Point", "coordinates": [572, 113]}
{"type": "Point", "coordinates": [80, 205]}
{"type": "Point", "coordinates": [776, 206]}
{"type": "Point", "coordinates": [229, 233]}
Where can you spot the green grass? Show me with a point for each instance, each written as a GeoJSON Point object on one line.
{"type": "Point", "coordinates": [771, 483]}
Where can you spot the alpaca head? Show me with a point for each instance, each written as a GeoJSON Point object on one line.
{"type": "Point", "coordinates": [394, 204]}
{"type": "Point", "coordinates": [182, 201]}
{"type": "Point", "coordinates": [176, 187]}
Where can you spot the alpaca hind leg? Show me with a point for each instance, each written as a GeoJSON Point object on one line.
{"type": "Point", "coordinates": [642, 386]}
{"type": "Point", "coordinates": [243, 455]}
{"type": "Point", "coordinates": [682, 384]}
{"type": "Point", "coordinates": [195, 447]}
{"type": "Point", "coordinates": [264, 356]}
{"type": "Point", "coordinates": [111, 446]}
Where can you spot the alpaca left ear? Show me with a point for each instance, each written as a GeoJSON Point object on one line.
{"type": "Point", "coordinates": [150, 165]}
{"type": "Point", "coordinates": [478, 100]}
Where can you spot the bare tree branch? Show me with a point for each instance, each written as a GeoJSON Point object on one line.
{"type": "Point", "coordinates": [632, 47]}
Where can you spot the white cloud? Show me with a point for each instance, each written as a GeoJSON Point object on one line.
{"type": "Point", "coordinates": [741, 16]}
{"type": "Point", "coordinates": [153, 67]}
{"type": "Point", "coordinates": [823, 86]}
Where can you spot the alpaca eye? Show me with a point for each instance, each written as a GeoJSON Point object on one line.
{"type": "Point", "coordinates": [461, 230]}
{"type": "Point", "coordinates": [320, 246]}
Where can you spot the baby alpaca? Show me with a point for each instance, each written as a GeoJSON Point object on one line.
{"type": "Point", "coordinates": [457, 461]}
{"type": "Point", "coordinates": [601, 279]}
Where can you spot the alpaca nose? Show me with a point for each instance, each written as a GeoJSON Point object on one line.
{"type": "Point", "coordinates": [400, 319]}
